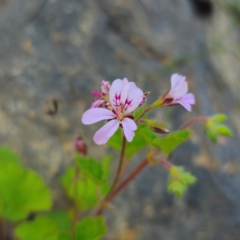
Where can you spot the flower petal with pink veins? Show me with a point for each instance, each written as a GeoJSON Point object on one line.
{"type": "Point", "coordinates": [105, 132]}
{"type": "Point", "coordinates": [136, 96]}
{"type": "Point", "coordinates": [94, 115]}
{"type": "Point", "coordinates": [124, 90]}
{"type": "Point", "coordinates": [115, 89]}
{"type": "Point", "coordinates": [129, 126]}
{"type": "Point", "coordinates": [118, 92]}
{"type": "Point", "coordinates": [179, 86]}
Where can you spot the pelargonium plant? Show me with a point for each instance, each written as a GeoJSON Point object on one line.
{"type": "Point", "coordinates": [89, 183]}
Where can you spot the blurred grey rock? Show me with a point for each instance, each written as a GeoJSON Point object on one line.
{"type": "Point", "coordinates": [63, 49]}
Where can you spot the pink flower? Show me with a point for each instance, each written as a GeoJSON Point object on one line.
{"type": "Point", "coordinates": [178, 93]}
{"type": "Point", "coordinates": [124, 98]}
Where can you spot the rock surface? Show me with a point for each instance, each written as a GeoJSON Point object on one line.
{"type": "Point", "coordinates": [63, 49]}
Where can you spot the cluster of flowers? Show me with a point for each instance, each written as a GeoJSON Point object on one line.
{"type": "Point", "coordinates": [116, 103]}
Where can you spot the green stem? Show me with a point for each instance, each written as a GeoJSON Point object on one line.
{"type": "Point", "coordinates": [115, 181]}
{"type": "Point", "coordinates": [76, 209]}
{"type": "Point", "coordinates": [143, 113]}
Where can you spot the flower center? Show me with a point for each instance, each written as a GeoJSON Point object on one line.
{"type": "Point", "coordinates": [120, 113]}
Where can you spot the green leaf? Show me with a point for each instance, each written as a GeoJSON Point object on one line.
{"type": "Point", "coordinates": [91, 167]}
{"type": "Point", "coordinates": [214, 127]}
{"type": "Point", "coordinates": [169, 143]}
{"type": "Point", "coordinates": [62, 220]}
{"type": "Point", "coordinates": [139, 111]}
{"type": "Point", "coordinates": [82, 190]}
{"type": "Point", "coordinates": [219, 118]}
{"type": "Point", "coordinates": [145, 132]}
{"type": "Point", "coordinates": [41, 228]}
{"type": "Point", "coordinates": [8, 156]}
{"type": "Point", "coordinates": [133, 147]}
{"type": "Point", "coordinates": [212, 135]}
{"type": "Point", "coordinates": [90, 228]}
{"type": "Point", "coordinates": [22, 191]}
{"type": "Point", "coordinates": [84, 187]}
{"type": "Point", "coordinates": [106, 162]}
{"type": "Point", "coordinates": [116, 140]}
{"type": "Point", "coordinates": [179, 180]}
{"type": "Point", "coordinates": [176, 187]}
{"type": "Point", "coordinates": [64, 236]}
{"type": "Point", "coordinates": [224, 130]}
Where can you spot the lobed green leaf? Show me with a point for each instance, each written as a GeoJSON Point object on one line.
{"type": "Point", "coordinates": [40, 228]}
{"type": "Point", "coordinates": [133, 147]}
{"type": "Point", "coordinates": [179, 180]}
{"type": "Point", "coordinates": [170, 142]}
{"type": "Point", "coordinates": [22, 191]}
{"type": "Point", "coordinates": [82, 190]}
{"type": "Point", "coordinates": [90, 166]}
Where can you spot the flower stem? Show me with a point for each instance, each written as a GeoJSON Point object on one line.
{"type": "Point", "coordinates": [120, 164]}
{"type": "Point", "coordinates": [76, 212]}
{"type": "Point", "coordinates": [128, 179]}
{"type": "Point", "coordinates": [143, 113]}
{"type": "Point", "coordinates": [123, 184]}
{"type": "Point", "coordinates": [3, 234]}
{"type": "Point", "coordinates": [166, 163]}
{"type": "Point", "coordinates": [193, 120]}
{"type": "Point", "coordinates": [117, 176]}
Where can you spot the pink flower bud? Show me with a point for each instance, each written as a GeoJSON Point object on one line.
{"type": "Point", "coordinates": [80, 146]}
{"type": "Point", "coordinates": [105, 87]}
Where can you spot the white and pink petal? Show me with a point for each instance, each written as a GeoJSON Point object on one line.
{"type": "Point", "coordinates": [179, 86]}
{"type": "Point", "coordinates": [134, 98]}
{"type": "Point", "coordinates": [129, 126]}
{"type": "Point", "coordinates": [186, 101]}
{"type": "Point", "coordinates": [94, 115]}
{"type": "Point", "coordinates": [105, 132]}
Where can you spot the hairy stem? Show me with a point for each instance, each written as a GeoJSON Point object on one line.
{"type": "Point", "coordinates": [143, 113]}
{"type": "Point", "coordinates": [193, 120]}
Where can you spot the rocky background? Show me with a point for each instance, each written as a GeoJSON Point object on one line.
{"type": "Point", "coordinates": [64, 48]}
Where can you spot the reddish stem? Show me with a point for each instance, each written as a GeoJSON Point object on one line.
{"type": "Point", "coordinates": [166, 163]}
{"type": "Point", "coordinates": [123, 184]}
{"type": "Point", "coordinates": [193, 120]}
{"type": "Point", "coordinates": [128, 179]}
